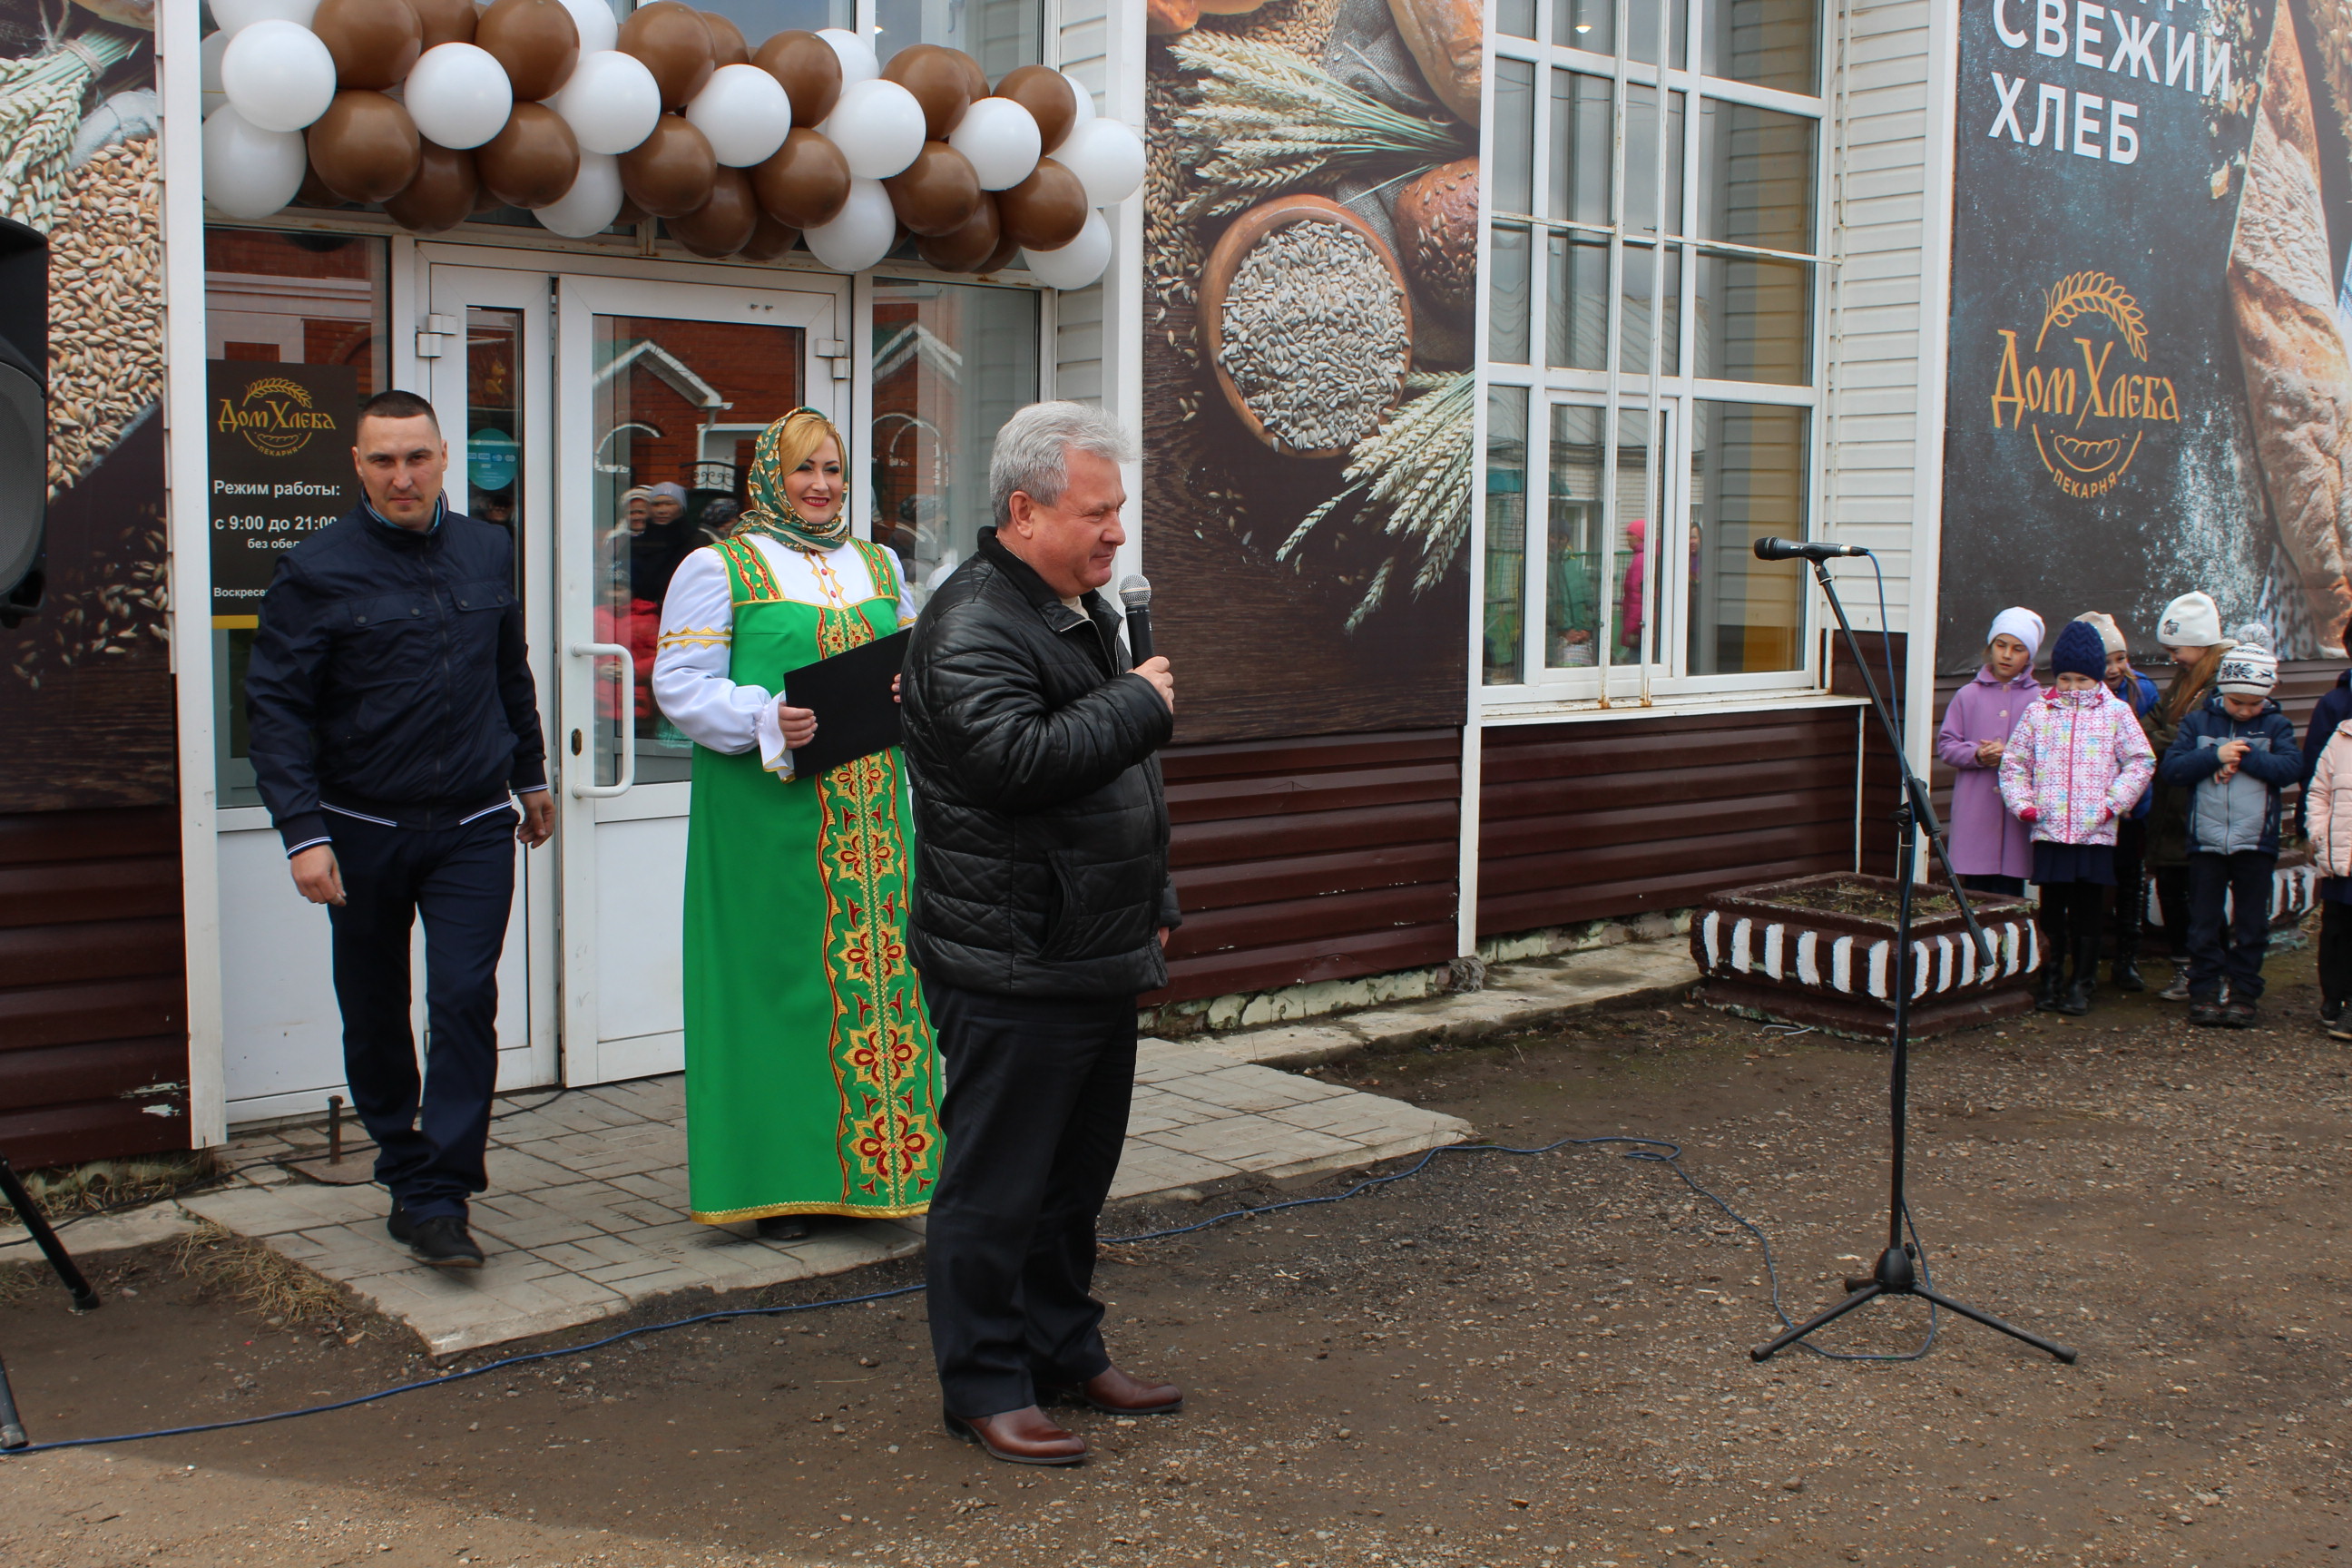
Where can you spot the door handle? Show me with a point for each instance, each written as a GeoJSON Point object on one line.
{"type": "Point", "coordinates": [628, 743]}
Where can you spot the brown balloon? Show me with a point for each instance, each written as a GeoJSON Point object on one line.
{"type": "Point", "coordinates": [722, 224]}
{"type": "Point", "coordinates": [938, 81]}
{"type": "Point", "coordinates": [770, 239]}
{"type": "Point", "coordinates": [1046, 211]}
{"type": "Point", "coordinates": [670, 173]}
{"type": "Point", "coordinates": [314, 192]}
{"type": "Point", "coordinates": [806, 183]}
{"type": "Point", "coordinates": [1048, 97]}
{"type": "Point", "coordinates": [445, 21]}
{"type": "Point", "coordinates": [364, 148]}
{"type": "Point", "coordinates": [442, 195]}
{"type": "Point", "coordinates": [671, 41]}
{"type": "Point", "coordinates": [373, 43]}
{"type": "Point", "coordinates": [808, 70]}
{"type": "Point", "coordinates": [975, 80]}
{"type": "Point", "coordinates": [969, 244]}
{"type": "Point", "coordinates": [936, 194]}
{"type": "Point", "coordinates": [531, 162]}
{"type": "Point", "coordinates": [1002, 256]}
{"type": "Point", "coordinates": [631, 214]}
{"type": "Point", "coordinates": [536, 41]}
{"type": "Point", "coordinates": [728, 45]}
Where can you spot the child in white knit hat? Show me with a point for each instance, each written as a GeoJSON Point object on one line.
{"type": "Point", "coordinates": [2190, 628]}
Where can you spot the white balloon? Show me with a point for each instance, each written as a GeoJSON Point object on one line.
{"type": "Point", "coordinates": [236, 14]}
{"type": "Point", "coordinates": [1086, 111]}
{"type": "Point", "coordinates": [1077, 263]}
{"type": "Point", "coordinates": [250, 173]}
{"type": "Point", "coordinates": [279, 75]}
{"type": "Point", "coordinates": [612, 102]}
{"type": "Point", "coordinates": [592, 201]}
{"type": "Point", "coordinates": [208, 62]}
{"type": "Point", "coordinates": [878, 126]}
{"type": "Point", "coordinates": [745, 113]}
{"type": "Point", "coordinates": [857, 60]}
{"type": "Point", "coordinates": [1000, 139]}
{"type": "Point", "coordinates": [458, 95]}
{"type": "Point", "coordinates": [1108, 159]}
{"type": "Point", "coordinates": [599, 29]}
{"type": "Point", "coordinates": [862, 234]}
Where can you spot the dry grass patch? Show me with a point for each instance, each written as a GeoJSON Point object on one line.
{"type": "Point", "coordinates": [225, 1264]}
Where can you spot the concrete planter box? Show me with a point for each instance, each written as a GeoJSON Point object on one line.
{"type": "Point", "coordinates": [1787, 950]}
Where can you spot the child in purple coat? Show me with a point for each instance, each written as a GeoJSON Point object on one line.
{"type": "Point", "coordinates": [1990, 849]}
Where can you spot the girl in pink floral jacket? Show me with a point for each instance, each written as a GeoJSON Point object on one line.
{"type": "Point", "coordinates": [2077, 765]}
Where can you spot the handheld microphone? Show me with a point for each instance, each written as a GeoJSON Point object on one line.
{"type": "Point", "coordinates": [1134, 593]}
{"type": "Point", "coordinates": [1803, 550]}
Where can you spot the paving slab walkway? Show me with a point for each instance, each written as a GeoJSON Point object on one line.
{"type": "Point", "coordinates": [586, 1212]}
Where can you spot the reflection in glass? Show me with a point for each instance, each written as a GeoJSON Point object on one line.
{"type": "Point", "coordinates": [1755, 318]}
{"type": "Point", "coordinates": [1643, 177]}
{"type": "Point", "coordinates": [1507, 532]}
{"type": "Point", "coordinates": [1581, 552]}
{"type": "Point", "coordinates": [1592, 24]}
{"type": "Point", "coordinates": [1634, 332]}
{"type": "Point", "coordinates": [1580, 147]}
{"type": "Point", "coordinates": [760, 19]}
{"type": "Point", "coordinates": [1756, 177]}
{"type": "Point", "coordinates": [1516, 18]}
{"type": "Point", "coordinates": [1772, 43]}
{"type": "Point", "coordinates": [284, 299]}
{"type": "Point", "coordinates": [1506, 296]}
{"type": "Point", "coordinates": [951, 363]}
{"type": "Point", "coordinates": [1749, 466]}
{"type": "Point", "coordinates": [999, 33]}
{"type": "Point", "coordinates": [678, 408]}
{"type": "Point", "coordinates": [1576, 308]}
{"type": "Point", "coordinates": [492, 481]}
{"type": "Point", "coordinates": [1515, 136]}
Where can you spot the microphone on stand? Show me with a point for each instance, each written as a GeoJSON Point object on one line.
{"type": "Point", "coordinates": [1803, 550]}
{"type": "Point", "coordinates": [1134, 593]}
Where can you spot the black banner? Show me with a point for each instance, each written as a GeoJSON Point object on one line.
{"type": "Point", "coordinates": [2148, 388]}
{"type": "Point", "coordinates": [281, 468]}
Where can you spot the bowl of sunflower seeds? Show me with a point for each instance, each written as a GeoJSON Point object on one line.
{"type": "Point", "coordinates": [1304, 317]}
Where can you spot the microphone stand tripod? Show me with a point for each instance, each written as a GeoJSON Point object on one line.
{"type": "Point", "coordinates": [1897, 1273]}
{"type": "Point", "coordinates": [28, 1213]}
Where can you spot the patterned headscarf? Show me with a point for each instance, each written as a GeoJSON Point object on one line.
{"type": "Point", "coordinates": [799, 432]}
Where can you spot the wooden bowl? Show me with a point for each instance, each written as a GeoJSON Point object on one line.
{"type": "Point", "coordinates": [1225, 262]}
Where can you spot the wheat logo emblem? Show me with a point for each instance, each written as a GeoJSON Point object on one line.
{"type": "Point", "coordinates": [2089, 410]}
{"type": "Point", "coordinates": [275, 416]}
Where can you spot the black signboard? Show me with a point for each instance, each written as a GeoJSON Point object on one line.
{"type": "Point", "coordinates": [281, 468]}
{"type": "Point", "coordinates": [2148, 388]}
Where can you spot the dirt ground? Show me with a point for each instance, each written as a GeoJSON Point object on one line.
{"type": "Point", "coordinates": [1507, 1360]}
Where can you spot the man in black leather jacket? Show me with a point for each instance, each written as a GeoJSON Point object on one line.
{"type": "Point", "coordinates": [1041, 903]}
{"type": "Point", "coordinates": [394, 727]}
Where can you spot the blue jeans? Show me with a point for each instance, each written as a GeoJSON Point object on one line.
{"type": "Point", "coordinates": [2236, 954]}
{"type": "Point", "coordinates": [430, 1132]}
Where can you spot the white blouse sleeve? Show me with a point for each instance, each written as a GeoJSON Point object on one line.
{"type": "Point", "coordinates": [690, 668]}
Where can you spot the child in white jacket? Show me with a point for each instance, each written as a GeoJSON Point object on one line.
{"type": "Point", "coordinates": [2328, 808]}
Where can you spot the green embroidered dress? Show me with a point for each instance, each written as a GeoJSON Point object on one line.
{"type": "Point", "coordinates": [812, 1086]}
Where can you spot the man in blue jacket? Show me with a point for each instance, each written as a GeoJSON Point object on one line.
{"type": "Point", "coordinates": [394, 729]}
{"type": "Point", "coordinates": [2235, 753]}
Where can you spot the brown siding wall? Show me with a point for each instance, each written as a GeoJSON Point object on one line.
{"type": "Point", "coordinates": [1318, 858]}
{"type": "Point", "coordinates": [93, 986]}
{"type": "Point", "coordinates": [1594, 820]}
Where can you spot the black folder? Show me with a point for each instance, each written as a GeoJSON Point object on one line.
{"type": "Point", "coordinates": [850, 695]}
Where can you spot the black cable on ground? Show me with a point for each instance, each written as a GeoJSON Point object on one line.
{"type": "Point", "coordinates": [1657, 1151]}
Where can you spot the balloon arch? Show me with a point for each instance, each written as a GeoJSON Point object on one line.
{"type": "Point", "coordinates": [436, 111]}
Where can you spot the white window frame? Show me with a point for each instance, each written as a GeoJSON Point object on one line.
{"type": "Point", "coordinates": [1543, 691]}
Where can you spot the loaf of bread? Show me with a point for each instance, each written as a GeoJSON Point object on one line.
{"type": "Point", "coordinates": [1167, 19]}
{"type": "Point", "coordinates": [2298, 376]}
{"type": "Point", "coordinates": [1448, 38]}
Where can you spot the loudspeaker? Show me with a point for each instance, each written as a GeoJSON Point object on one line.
{"type": "Point", "coordinates": [24, 417]}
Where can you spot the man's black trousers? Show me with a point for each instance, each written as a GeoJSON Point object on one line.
{"type": "Point", "coordinates": [2229, 950]}
{"type": "Point", "coordinates": [430, 1136]}
{"type": "Point", "coordinates": [1035, 1117]}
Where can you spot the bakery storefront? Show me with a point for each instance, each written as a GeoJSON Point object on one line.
{"type": "Point", "coordinates": [1471, 349]}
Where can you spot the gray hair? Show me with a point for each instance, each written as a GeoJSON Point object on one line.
{"type": "Point", "coordinates": [1033, 452]}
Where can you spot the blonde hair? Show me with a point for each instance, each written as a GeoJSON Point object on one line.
{"type": "Point", "coordinates": [798, 436]}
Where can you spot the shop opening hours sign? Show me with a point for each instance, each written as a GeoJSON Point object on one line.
{"type": "Point", "coordinates": [279, 437]}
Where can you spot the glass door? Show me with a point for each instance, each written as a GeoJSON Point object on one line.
{"type": "Point", "coordinates": [665, 389]}
{"type": "Point", "coordinates": [486, 362]}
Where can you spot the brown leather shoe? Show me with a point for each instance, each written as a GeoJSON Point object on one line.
{"type": "Point", "coordinates": [1022, 1437]}
{"type": "Point", "coordinates": [1120, 1394]}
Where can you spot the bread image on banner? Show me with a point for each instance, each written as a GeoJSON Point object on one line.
{"type": "Point", "coordinates": [2283, 292]}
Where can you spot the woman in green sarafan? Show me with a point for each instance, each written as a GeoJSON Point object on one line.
{"type": "Point", "coordinates": [812, 1086]}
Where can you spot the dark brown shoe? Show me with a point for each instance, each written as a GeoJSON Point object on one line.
{"type": "Point", "coordinates": [1022, 1437]}
{"type": "Point", "coordinates": [1120, 1393]}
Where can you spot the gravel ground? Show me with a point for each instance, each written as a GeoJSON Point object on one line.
{"type": "Point", "coordinates": [1507, 1360]}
